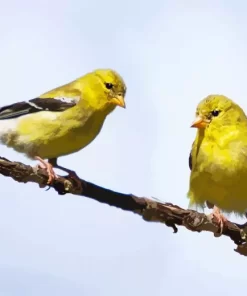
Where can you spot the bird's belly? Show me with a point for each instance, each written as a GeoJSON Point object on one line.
{"type": "Point", "coordinates": [222, 182]}
{"type": "Point", "coordinates": [66, 144]}
{"type": "Point", "coordinates": [51, 138]}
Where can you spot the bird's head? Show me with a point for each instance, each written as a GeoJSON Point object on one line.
{"type": "Point", "coordinates": [112, 85]}
{"type": "Point", "coordinates": [217, 111]}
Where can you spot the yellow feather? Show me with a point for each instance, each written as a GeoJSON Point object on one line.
{"type": "Point", "coordinates": [52, 134]}
{"type": "Point", "coordinates": [219, 157]}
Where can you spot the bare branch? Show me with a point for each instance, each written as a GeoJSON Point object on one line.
{"type": "Point", "coordinates": [150, 210]}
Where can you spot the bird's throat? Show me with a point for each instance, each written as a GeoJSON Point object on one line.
{"type": "Point", "coordinates": [200, 136]}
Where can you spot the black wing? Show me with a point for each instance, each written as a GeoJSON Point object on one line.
{"type": "Point", "coordinates": [36, 105]}
{"type": "Point", "coordinates": [190, 161]}
{"type": "Point", "coordinates": [190, 157]}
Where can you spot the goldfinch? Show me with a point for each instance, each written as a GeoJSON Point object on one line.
{"type": "Point", "coordinates": [218, 158]}
{"type": "Point", "coordinates": [63, 120]}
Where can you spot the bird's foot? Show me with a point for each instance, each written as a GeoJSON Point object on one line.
{"type": "Point", "coordinates": [71, 174]}
{"type": "Point", "coordinates": [49, 169]}
{"type": "Point", "coordinates": [221, 219]}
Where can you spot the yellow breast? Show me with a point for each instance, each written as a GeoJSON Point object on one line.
{"type": "Point", "coordinates": [219, 175]}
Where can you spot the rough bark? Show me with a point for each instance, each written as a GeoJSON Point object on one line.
{"type": "Point", "coordinates": [150, 210]}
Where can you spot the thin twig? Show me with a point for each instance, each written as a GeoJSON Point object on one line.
{"type": "Point", "coordinates": [150, 210]}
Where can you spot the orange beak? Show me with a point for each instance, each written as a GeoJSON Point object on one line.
{"type": "Point", "coordinates": [200, 122]}
{"type": "Point", "coordinates": [119, 100]}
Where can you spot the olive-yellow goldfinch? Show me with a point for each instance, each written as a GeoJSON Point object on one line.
{"type": "Point", "coordinates": [218, 158]}
{"type": "Point", "coordinates": [63, 120]}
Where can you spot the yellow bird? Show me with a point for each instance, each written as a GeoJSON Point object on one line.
{"type": "Point", "coordinates": [63, 120]}
{"type": "Point", "coordinates": [218, 159]}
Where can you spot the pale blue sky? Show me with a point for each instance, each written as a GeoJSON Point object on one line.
{"type": "Point", "coordinates": [171, 55]}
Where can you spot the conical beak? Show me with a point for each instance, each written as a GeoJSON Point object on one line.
{"type": "Point", "coordinates": [199, 122]}
{"type": "Point", "coordinates": [119, 100]}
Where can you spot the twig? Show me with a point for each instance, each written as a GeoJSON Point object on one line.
{"type": "Point", "coordinates": [150, 210]}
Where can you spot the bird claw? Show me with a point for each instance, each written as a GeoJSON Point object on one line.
{"type": "Point", "coordinates": [49, 169]}
{"type": "Point", "coordinates": [49, 187]}
{"type": "Point", "coordinates": [220, 218]}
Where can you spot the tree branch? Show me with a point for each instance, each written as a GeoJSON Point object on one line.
{"type": "Point", "coordinates": [150, 210]}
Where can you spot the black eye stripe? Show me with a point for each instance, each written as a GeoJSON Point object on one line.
{"type": "Point", "coordinates": [109, 85]}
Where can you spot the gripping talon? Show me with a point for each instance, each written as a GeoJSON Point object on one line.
{"type": "Point", "coordinates": [221, 219]}
{"type": "Point", "coordinates": [49, 169]}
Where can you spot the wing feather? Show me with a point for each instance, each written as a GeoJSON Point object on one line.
{"type": "Point", "coordinates": [190, 161]}
{"type": "Point", "coordinates": [36, 105]}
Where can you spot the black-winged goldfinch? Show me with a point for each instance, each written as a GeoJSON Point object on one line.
{"type": "Point", "coordinates": [63, 120]}
{"type": "Point", "coordinates": [218, 158]}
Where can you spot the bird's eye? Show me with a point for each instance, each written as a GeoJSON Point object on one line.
{"type": "Point", "coordinates": [215, 113]}
{"type": "Point", "coordinates": [109, 85]}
